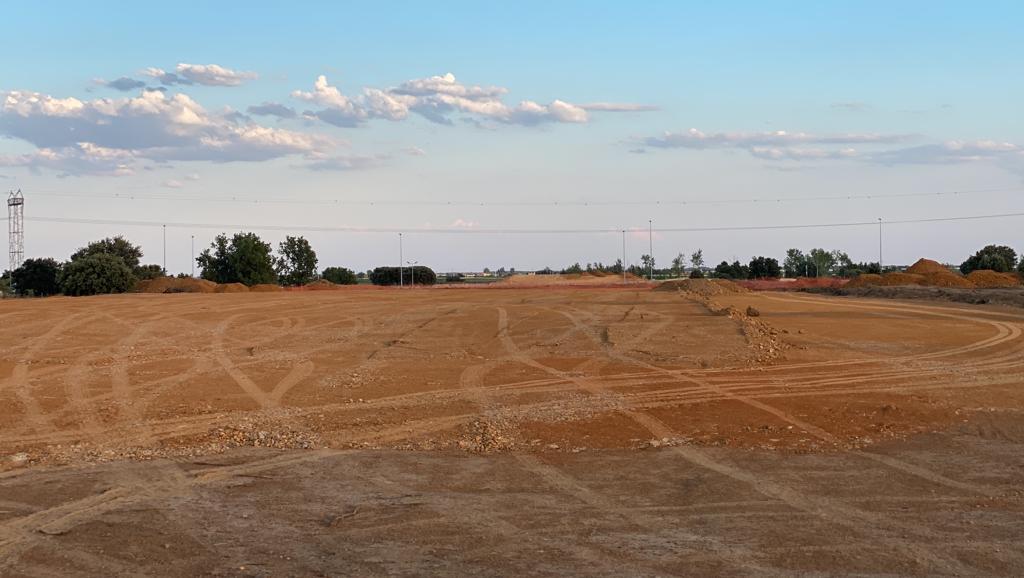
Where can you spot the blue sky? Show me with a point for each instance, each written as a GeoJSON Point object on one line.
{"type": "Point", "coordinates": [665, 101]}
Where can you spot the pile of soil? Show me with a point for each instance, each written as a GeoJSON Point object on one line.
{"type": "Point", "coordinates": [320, 285]}
{"type": "Point", "coordinates": [702, 287]}
{"type": "Point", "coordinates": [175, 285]}
{"type": "Point", "coordinates": [946, 278]}
{"type": "Point", "coordinates": [555, 279]}
{"type": "Point", "coordinates": [231, 288]}
{"type": "Point", "coordinates": [926, 267]}
{"type": "Point", "coordinates": [986, 279]}
{"type": "Point", "coordinates": [266, 288]}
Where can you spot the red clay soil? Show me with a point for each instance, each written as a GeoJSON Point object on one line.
{"type": "Point", "coordinates": [232, 288]}
{"type": "Point", "coordinates": [175, 285]}
{"type": "Point", "coordinates": [792, 284]}
{"type": "Point", "coordinates": [991, 279]}
{"type": "Point", "coordinates": [926, 266]}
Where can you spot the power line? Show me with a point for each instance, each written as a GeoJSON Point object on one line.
{"type": "Point", "coordinates": [477, 230]}
{"type": "Point", "coordinates": [546, 203]}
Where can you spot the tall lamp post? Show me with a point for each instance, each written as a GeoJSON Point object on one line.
{"type": "Point", "coordinates": [650, 249]}
{"type": "Point", "coordinates": [879, 244]}
{"type": "Point", "coordinates": [412, 270]}
{"type": "Point", "coordinates": [401, 271]}
{"type": "Point", "coordinates": [623, 255]}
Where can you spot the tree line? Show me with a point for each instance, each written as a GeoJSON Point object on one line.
{"type": "Point", "coordinates": [113, 265]}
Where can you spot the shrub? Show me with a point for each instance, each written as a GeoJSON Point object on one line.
{"type": "Point", "coordinates": [36, 277]}
{"type": "Point", "coordinates": [96, 274]}
{"type": "Point", "coordinates": [391, 276]}
{"type": "Point", "coordinates": [763, 267]}
{"type": "Point", "coordinates": [143, 272]}
{"type": "Point", "coordinates": [696, 274]}
{"type": "Point", "coordinates": [340, 276]}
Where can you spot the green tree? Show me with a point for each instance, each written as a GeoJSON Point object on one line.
{"type": "Point", "coordinates": [296, 264]}
{"type": "Point", "coordinates": [763, 267]}
{"type": "Point", "coordinates": [697, 259]}
{"type": "Point", "coordinates": [96, 274]}
{"type": "Point", "coordinates": [823, 261]}
{"type": "Point", "coordinates": [340, 276]}
{"type": "Point", "coordinates": [733, 270]}
{"type": "Point", "coordinates": [5, 284]}
{"type": "Point", "coordinates": [117, 246]}
{"type": "Point", "coordinates": [244, 258]}
{"type": "Point", "coordinates": [572, 269]}
{"type": "Point", "coordinates": [390, 275]}
{"type": "Point", "coordinates": [678, 265]}
{"type": "Point", "coordinates": [36, 277]}
{"type": "Point", "coordinates": [648, 264]}
{"type": "Point", "coordinates": [796, 264]}
{"type": "Point", "coordinates": [995, 257]}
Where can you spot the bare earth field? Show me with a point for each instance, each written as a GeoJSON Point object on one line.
{"type": "Point", "coordinates": [509, 431]}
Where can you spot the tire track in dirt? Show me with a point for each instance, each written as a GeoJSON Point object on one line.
{"type": "Point", "coordinates": [820, 433]}
{"type": "Point", "coordinates": [863, 522]}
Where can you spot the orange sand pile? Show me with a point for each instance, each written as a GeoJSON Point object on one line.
{"type": "Point", "coordinates": [991, 279]}
{"type": "Point", "coordinates": [265, 288]}
{"type": "Point", "coordinates": [175, 285]}
{"type": "Point", "coordinates": [232, 288]}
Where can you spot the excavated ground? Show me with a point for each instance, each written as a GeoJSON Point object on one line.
{"type": "Point", "coordinates": [589, 430]}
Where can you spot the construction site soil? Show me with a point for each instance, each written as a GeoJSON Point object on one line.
{"type": "Point", "coordinates": [698, 429]}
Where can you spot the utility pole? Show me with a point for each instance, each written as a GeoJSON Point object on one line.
{"type": "Point", "coordinates": [650, 250]}
{"type": "Point", "coordinates": [412, 271]}
{"type": "Point", "coordinates": [193, 255]}
{"type": "Point", "coordinates": [879, 244]}
{"type": "Point", "coordinates": [401, 271]}
{"type": "Point", "coordinates": [623, 255]}
{"type": "Point", "coordinates": [165, 249]}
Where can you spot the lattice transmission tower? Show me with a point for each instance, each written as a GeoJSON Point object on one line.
{"type": "Point", "coordinates": [16, 228]}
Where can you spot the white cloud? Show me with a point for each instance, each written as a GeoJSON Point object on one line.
{"type": "Point", "coordinates": [124, 84]}
{"type": "Point", "coordinates": [345, 162]}
{"type": "Point", "coordinates": [954, 151]}
{"type": "Point", "coordinates": [437, 98]}
{"type": "Point", "coordinates": [152, 126]}
{"type": "Point", "coordinates": [204, 74]}
{"type": "Point", "coordinates": [77, 159]}
{"type": "Point", "coordinates": [777, 145]}
{"type": "Point", "coordinates": [618, 107]}
{"type": "Point", "coordinates": [173, 184]}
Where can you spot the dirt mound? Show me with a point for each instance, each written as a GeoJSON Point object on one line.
{"type": "Point", "coordinates": [568, 279]}
{"type": "Point", "coordinates": [887, 280]}
{"type": "Point", "coordinates": [987, 279]}
{"type": "Point", "coordinates": [175, 285]}
{"type": "Point", "coordinates": [231, 288]}
{"type": "Point", "coordinates": [946, 278]}
{"type": "Point", "coordinates": [320, 285]}
{"type": "Point", "coordinates": [927, 266]}
{"type": "Point", "coordinates": [265, 288]}
{"type": "Point", "coordinates": [702, 287]}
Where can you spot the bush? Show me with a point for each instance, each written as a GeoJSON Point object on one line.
{"type": "Point", "coordinates": [725, 270]}
{"type": "Point", "coordinates": [999, 258]}
{"type": "Point", "coordinates": [36, 277]}
{"type": "Point", "coordinates": [96, 274]}
{"type": "Point", "coordinates": [696, 274]}
{"type": "Point", "coordinates": [340, 276]}
{"type": "Point", "coordinates": [143, 272]}
{"type": "Point", "coordinates": [391, 276]}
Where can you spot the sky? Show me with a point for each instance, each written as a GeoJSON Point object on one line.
{"type": "Point", "coordinates": [456, 122]}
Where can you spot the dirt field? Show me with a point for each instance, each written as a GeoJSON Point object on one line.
{"type": "Point", "coordinates": [602, 431]}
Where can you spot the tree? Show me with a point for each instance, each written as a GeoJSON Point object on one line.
{"type": "Point", "coordinates": [648, 263]}
{"type": "Point", "coordinates": [763, 267]}
{"type": "Point", "coordinates": [735, 270]}
{"type": "Point", "coordinates": [390, 275]}
{"type": "Point", "coordinates": [149, 271]}
{"type": "Point", "coordinates": [5, 284]}
{"type": "Point", "coordinates": [697, 259]}
{"type": "Point", "coordinates": [573, 269]}
{"type": "Point", "coordinates": [823, 261]}
{"type": "Point", "coordinates": [678, 265]}
{"type": "Point", "coordinates": [117, 246]}
{"type": "Point", "coordinates": [296, 264]}
{"type": "Point", "coordinates": [995, 257]}
{"type": "Point", "coordinates": [245, 259]}
{"type": "Point", "coordinates": [96, 274]}
{"type": "Point", "coordinates": [617, 268]}
{"type": "Point", "coordinates": [796, 264]}
{"type": "Point", "coordinates": [36, 277]}
{"type": "Point", "coordinates": [340, 276]}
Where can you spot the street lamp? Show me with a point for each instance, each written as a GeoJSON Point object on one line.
{"type": "Point", "coordinates": [650, 249]}
{"type": "Point", "coordinates": [401, 271]}
{"type": "Point", "coordinates": [412, 270]}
